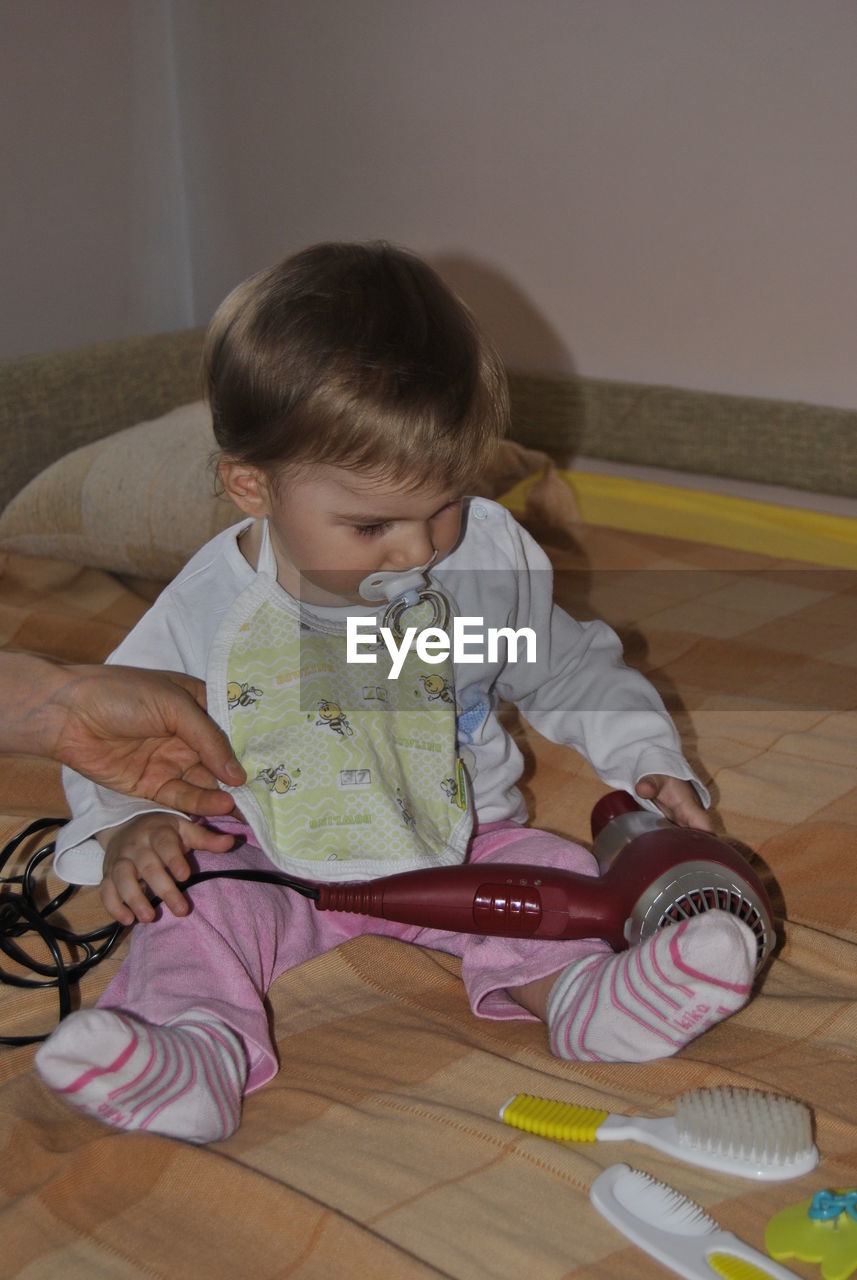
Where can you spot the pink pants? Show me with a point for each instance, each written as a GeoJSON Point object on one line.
{"type": "Point", "coordinates": [240, 936]}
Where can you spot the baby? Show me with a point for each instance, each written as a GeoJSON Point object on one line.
{"type": "Point", "coordinates": [354, 399]}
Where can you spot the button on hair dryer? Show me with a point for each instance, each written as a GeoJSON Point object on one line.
{"type": "Point", "coordinates": [653, 874]}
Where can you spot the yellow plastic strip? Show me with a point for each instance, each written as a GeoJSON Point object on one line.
{"type": "Point", "coordinates": [732, 1268]}
{"type": "Point", "coordinates": [559, 1121]}
{"type": "Point", "coordinates": [643, 506]}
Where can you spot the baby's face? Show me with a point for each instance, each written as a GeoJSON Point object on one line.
{"type": "Point", "coordinates": [330, 527]}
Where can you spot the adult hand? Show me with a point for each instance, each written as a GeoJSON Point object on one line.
{"type": "Point", "coordinates": [144, 733]}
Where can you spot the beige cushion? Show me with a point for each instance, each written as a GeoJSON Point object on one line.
{"type": "Point", "coordinates": [139, 502]}
{"type": "Point", "coordinates": [142, 501]}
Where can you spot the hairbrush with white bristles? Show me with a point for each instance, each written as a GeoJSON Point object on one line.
{"type": "Point", "coordinates": [740, 1131]}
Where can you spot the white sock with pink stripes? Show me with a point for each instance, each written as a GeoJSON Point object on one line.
{"type": "Point", "coordinates": [650, 1001]}
{"type": "Point", "coordinates": [183, 1080]}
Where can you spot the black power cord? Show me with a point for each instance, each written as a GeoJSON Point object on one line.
{"type": "Point", "coordinates": [21, 917]}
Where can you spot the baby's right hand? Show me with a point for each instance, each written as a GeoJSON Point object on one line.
{"type": "Point", "coordinates": [149, 850]}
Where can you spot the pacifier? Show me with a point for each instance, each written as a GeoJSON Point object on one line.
{"type": "Point", "coordinates": [402, 589]}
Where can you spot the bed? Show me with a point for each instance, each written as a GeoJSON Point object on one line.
{"type": "Point", "coordinates": [377, 1150]}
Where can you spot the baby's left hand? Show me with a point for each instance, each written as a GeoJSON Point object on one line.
{"type": "Point", "coordinates": [676, 799]}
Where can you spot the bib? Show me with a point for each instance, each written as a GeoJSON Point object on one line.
{"type": "Point", "coordinates": [350, 774]}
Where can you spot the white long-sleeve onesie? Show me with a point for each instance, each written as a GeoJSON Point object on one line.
{"type": "Point", "coordinates": [578, 691]}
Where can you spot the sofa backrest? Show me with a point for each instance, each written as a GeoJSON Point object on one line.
{"type": "Point", "coordinates": [53, 403]}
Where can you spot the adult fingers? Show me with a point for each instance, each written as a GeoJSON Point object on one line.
{"type": "Point", "coordinates": [196, 797]}
{"type": "Point", "coordinates": [195, 727]}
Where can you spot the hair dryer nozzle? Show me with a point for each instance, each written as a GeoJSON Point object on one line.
{"type": "Point", "coordinates": [678, 872]}
{"type": "Point", "coordinates": [611, 806]}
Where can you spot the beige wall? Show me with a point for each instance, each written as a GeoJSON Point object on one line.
{"type": "Point", "coordinates": [661, 190]}
{"type": "Point", "coordinates": [93, 237]}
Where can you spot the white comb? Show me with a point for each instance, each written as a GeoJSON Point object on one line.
{"type": "Point", "coordinates": [675, 1230]}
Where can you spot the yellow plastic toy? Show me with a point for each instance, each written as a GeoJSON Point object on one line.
{"type": "Point", "coordinates": [823, 1229]}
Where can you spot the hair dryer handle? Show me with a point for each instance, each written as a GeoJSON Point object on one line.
{"type": "Point", "coordinates": [501, 899]}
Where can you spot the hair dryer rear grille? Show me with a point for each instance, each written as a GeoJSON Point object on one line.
{"type": "Point", "coordinates": [694, 888]}
{"type": "Point", "coordinates": [693, 904]}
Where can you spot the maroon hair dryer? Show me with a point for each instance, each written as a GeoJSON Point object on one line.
{"type": "Point", "coordinates": [653, 874]}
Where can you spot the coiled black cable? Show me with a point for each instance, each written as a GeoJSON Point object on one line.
{"type": "Point", "coordinates": [21, 917]}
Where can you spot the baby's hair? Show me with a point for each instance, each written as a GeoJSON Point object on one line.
{"type": "Point", "coordinates": [355, 355]}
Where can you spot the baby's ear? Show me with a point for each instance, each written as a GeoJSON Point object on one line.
{"type": "Point", "coordinates": [247, 486]}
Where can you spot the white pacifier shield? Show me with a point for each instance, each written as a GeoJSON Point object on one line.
{"type": "Point", "coordinates": [391, 584]}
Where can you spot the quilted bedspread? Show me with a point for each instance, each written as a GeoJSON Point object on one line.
{"type": "Point", "coordinates": [377, 1150]}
